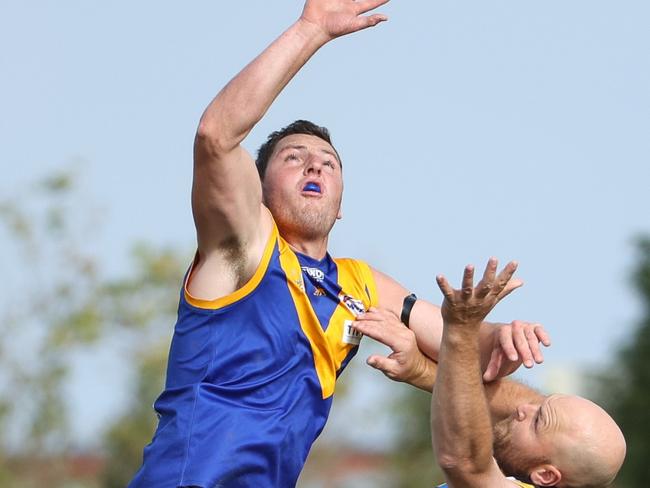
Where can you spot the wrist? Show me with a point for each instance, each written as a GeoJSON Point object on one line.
{"type": "Point", "coordinates": [312, 32]}
{"type": "Point", "coordinates": [465, 329]}
{"type": "Point", "coordinates": [466, 319]}
{"type": "Point", "coordinates": [424, 376]}
{"type": "Point", "coordinates": [461, 337]}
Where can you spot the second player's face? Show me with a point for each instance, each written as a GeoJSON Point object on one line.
{"type": "Point", "coordinates": [303, 185]}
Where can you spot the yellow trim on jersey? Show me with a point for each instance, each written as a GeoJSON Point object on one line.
{"type": "Point", "coordinates": [245, 290]}
{"type": "Point", "coordinates": [323, 360]}
{"type": "Point", "coordinates": [328, 348]}
{"type": "Point", "coordinates": [369, 282]}
{"type": "Point", "coordinates": [522, 484]}
{"type": "Point", "coordinates": [349, 272]}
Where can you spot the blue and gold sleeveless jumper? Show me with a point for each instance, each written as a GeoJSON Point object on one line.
{"type": "Point", "coordinates": [250, 376]}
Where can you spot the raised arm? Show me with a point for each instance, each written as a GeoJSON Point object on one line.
{"type": "Point", "coordinates": [460, 419]}
{"type": "Point", "coordinates": [231, 223]}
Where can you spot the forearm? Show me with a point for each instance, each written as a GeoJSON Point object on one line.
{"type": "Point", "coordinates": [502, 395]}
{"type": "Point", "coordinates": [461, 426]}
{"type": "Point", "coordinates": [246, 98]}
{"type": "Point", "coordinates": [486, 338]}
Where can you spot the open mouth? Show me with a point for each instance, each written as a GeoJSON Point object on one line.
{"type": "Point", "coordinates": [312, 187]}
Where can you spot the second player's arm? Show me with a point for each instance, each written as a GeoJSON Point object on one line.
{"type": "Point", "coordinates": [515, 343]}
{"type": "Point", "coordinates": [460, 418]}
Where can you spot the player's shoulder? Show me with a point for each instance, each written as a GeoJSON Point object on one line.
{"type": "Point", "coordinates": [351, 264]}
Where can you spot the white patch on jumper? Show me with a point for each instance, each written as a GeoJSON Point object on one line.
{"type": "Point", "coordinates": [350, 334]}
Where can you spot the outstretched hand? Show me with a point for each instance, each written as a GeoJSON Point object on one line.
{"type": "Point", "coordinates": [405, 362]}
{"type": "Point", "coordinates": [515, 344]}
{"type": "Point", "coordinates": [339, 17]}
{"type": "Point", "coordinates": [469, 306]}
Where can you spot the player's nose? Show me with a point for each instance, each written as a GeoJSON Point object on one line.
{"type": "Point", "coordinates": [313, 165]}
{"type": "Point", "coordinates": [311, 168]}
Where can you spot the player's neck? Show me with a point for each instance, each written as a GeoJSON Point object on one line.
{"type": "Point", "coordinates": [314, 248]}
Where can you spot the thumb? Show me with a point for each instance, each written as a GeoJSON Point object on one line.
{"type": "Point", "coordinates": [380, 363]}
{"type": "Point", "coordinates": [510, 287]}
{"type": "Point", "coordinates": [493, 367]}
{"type": "Point", "coordinates": [369, 21]}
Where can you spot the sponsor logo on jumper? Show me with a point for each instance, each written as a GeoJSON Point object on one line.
{"type": "Point", "coordinates": [300, 285]}
{"type": "Point", "coordinates": [319, 292]}
{"type": "Point", "coordinates": [315, 273]}
{"type": "Point", "coordinates": [355, 306]}
{"type": "Point", "coordinates": [350, 334]}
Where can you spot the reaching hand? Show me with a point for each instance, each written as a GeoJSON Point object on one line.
{"type": "Point", "coordinates": [406, 362]}
{"type": "Point", "coordinates": [469, 305]}
{"type": "Point", "coordinates": [339, 17]}
{"type": "Point", "coordinates": [514, 344]}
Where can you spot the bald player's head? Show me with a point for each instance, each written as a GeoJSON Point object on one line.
{"type": "Point", "coordinates": [564, 441]}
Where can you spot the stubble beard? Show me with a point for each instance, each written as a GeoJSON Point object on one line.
{"type": "Point", "coordinates": [512, 460]}
{"type": "Point", "coordinates": [506, 455]}
{"type": "Point", "coordinates": [306, 220]}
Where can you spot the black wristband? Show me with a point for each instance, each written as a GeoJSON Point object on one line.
{"type": "Point", "coordinates": [407, 305]}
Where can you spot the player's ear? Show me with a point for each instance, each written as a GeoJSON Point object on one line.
{"type": "Point", "coordinates": [545, 475]}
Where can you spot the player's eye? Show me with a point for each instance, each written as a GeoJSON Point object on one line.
{"type": "Point", "coordinates": [538, 418]}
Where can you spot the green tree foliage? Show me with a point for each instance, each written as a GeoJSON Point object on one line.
{"type": "Point", "coordinates": [50, 272]}
{"type": "Point", "coordinates": [142, 306]}
{"type": "Point", "coordinates": [60, 303]}
{"type": "Point", "coordinates": [413, 458]}
{"type": "Point", "coordinates": [625, 388]}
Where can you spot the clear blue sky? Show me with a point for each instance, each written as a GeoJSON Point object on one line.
{"type": "Point", "coordinates": [467, 129]}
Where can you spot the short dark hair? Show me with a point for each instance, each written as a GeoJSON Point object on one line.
{"type": "Point", "coordinates": [298, 127]}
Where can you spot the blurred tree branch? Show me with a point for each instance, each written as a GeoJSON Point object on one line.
{"type": "Point", "coordinates": [58, 303]}
{"type": "Point", "coordinates": [624, 386]}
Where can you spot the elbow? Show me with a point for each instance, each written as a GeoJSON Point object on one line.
{"type": "Point", "coordinates": [214, 139]}
{"type": "Point", "coordinates": [454, 464]}
{"type": "Point", "coordinates": [448, 462]}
